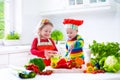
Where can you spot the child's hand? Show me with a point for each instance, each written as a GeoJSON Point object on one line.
{"type": "Point", "coordinates": [71, 47]}
{"type": "Point", "coordinates": [49, 53]}
{"type": "Point", "coordinates": [53, 52]}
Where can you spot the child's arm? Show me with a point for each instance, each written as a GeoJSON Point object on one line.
{"type": "Point", "coordinates": [54, 45]}
{"type": "Point", "coordinates": [79, 43]}
{"type": "Point", "coordinates": [66, 50]}
{"type": "Point", "coordinates": [34, 51]}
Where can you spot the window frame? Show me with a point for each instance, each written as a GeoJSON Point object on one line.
{"type": "Point", "coordinates": [2, 19]}
{"type": "Point", "coordinates": [13, 17]}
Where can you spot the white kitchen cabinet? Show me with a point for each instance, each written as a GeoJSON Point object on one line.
{"type": "Point", "coordinates": [3, 60]}
{"type": "Point", "coordinates": [53, 7]}
{"type": "Point", "coordinates": [87, 4]}
{"type": "Point", "coordinates": [18, 59]}
{"type": "Point", "coordinates": [14, 55]}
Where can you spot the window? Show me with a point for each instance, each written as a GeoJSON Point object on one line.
{"type": "Point", "coordinates": [97, 1]}
{"type": "Point", "coordinates": [71, 2]}
{"type": "Point", "coordinates": [10, 17]}
{"type": "Point", "coordinates": [79, 1]}
{"type": "Point", "coordinates": [102, 0]}
{"type": "Point", "coordinates": [86, 2]}
{"type": "Point", "coordinates": [2, 27]}
{"type": "Point", "coordinates": [87, 5]}
{"type": "Point", "coordinates": [75, 2]}
{"type": "Point", "coordinates": [93, 1]}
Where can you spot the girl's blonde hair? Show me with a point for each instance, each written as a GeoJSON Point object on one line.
{"type": "Point", "coordinates": [43, 23]}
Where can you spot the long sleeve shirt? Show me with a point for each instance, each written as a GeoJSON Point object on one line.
{"type": "Point", "coordinates": [77, 50]}
{"type": "Point", "coordinates": [40, 52]}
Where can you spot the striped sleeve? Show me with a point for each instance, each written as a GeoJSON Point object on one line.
{"type": "Point", "coordinates": [66, 50]}
{"type": "Point", "coordinates": [79, 43]}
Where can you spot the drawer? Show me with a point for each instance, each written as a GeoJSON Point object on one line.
{"type": "Point", "coordinates": [3, 59]}
{"type": "Point", "coordinates": [18, 59]}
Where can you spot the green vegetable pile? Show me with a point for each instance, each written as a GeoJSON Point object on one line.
{"type": "Point", "coordinates": [106, 56]}
{"type": "Point", "coordinates": [38, 62]}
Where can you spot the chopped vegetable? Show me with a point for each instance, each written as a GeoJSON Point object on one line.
{"type": "Point", "coordinates": [33, 68]}
{"type": "Point", "coordinates": [90, 69]}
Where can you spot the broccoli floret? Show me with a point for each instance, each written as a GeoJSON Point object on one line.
{"type": "Point", "coordinates": [38, 62]}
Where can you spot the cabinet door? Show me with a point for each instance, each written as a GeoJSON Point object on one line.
{"type": "Point", "coordinates": [3, 59]}
{"type": "Point", "coordinates": [30, 56]}
{"type": "Point", "coordinates": [18, 59]}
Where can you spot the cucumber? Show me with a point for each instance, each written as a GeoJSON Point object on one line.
{"type": "Point", "coordinates": [25, 75]}
{"type": "Point", "coordinates": [32, 74]}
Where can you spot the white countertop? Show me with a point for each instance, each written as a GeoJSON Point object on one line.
{"type": "Point", "coordinates": [14, 49]}
{"type": "Point", "coordinates": [7, 74]}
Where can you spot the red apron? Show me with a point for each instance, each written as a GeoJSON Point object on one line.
{"type": "Point", "coordinates": [46, 47]}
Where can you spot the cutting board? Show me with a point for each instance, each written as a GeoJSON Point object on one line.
{"type": "Point", "coordinates": [64, 70]}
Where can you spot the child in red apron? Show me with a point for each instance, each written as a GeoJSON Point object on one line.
{"type": "Point", "coordinates": [43, 46]}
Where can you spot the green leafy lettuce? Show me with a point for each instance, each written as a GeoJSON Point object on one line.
{"type": "Point", "coordinates": [111, 64]}
{"type": "Point", "coordinates": [105, 54]}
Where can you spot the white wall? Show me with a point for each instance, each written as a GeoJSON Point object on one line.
{"type": "Point", "coordinates": [30, 19]}
{"type": "Point", "coordinates": [98, 25]}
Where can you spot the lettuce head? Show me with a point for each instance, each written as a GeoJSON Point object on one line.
{"type": "Point", "coordinates": [112, 64]}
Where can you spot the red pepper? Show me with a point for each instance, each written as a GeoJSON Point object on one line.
{"type": "Point", "coordinates": [85, 71]}
{"type": "Point", "coordinates": [32, 67]}
{"type": "Point", "coordinates": [72, 63]}
{"type": "Point", "coordinates": [47, 62]}
{"type": "Point", "coordinates": [62, 63]}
